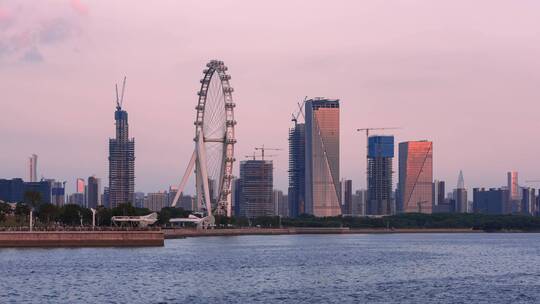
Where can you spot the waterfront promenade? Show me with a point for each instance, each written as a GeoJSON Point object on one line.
{"type": "Point", "coordinates": [120, 238]}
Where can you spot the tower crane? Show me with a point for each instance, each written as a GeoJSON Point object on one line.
{"type": "Point", "coordinates": [367, 146]}
{"type": "Point", "coordinates": [300, 111]}
{"type": "Point", "coordinates": [370, 129]}
{"type": "Point", "coordinates": [120, 100]}
{"type": "Point", "coordinates": [263, 148]}
{"type": "Point", "coordinates": [254, 156]}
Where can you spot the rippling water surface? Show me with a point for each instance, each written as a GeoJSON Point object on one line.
{"type": "Point", "coordinates": [395, 268]}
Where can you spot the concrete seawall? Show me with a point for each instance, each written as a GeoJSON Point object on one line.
{"type": "Point", "coordinates": [81, 238]}
{"type": "Point", "coordinates": [187, 232]}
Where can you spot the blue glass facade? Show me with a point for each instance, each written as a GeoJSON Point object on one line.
{"type": "Point", "coordinates": [491, 201]}
{"type": "Point", "coordinates": [380, 175]}
{"type": "Point", "coordinates": [13, 190]}
{"type": "Point", "coordinates": [297, 170]}
{"type": "Point", "coordinates": [381, 146]}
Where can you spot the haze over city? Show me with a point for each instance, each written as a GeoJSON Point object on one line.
{"type": "Point", "coordinates": [464, 75]}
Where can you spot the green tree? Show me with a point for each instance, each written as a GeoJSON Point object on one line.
{"type": "Point", "coordinates": [32, 198]}
{"type": "Point", "coordinates": [71, 215]}
{"type": "Point", "coordinates": [266, 221]}
{"type": "Point", "coordinates": [103, 216]}
{"type": "Point", "coordinates": [129, 210]}
{"type": "Point", "coordinates": [5, 210]}
{"type": "Point", "coordinates": [21, 212]}
{"type": "Point", "coordinates": [48, 213]}
{"type": "Point", "coordinates": [240, 221]}
{"type": "Point", "coordinates": [123, 210]}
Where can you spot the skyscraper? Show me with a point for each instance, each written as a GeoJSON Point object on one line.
{"type": "Point", "coordinates": [79, 186]}
{"type": "Point", "coordinates": [438, 192]}
{"type": "Point", "coordinates": [156, 201]}
{"type": "Point", "coordinates": [460, 195]}
{"type": "Point", "coordinates": [380, 155]}
{"type": "Point", "coordinates": [106, 195]}
{"type": "Point", "coordinates": [32, 168]}
{"type": "Point", "coordinates": [58, 193]}
{"type": "Point", "coordinates": [297, 169]}
{"type": "Point", "coordinates": [513, 186]}
{"type": "Point", "coordinates": [415, 176]}
{"type": "Point", "coordinates": [346, 197]}
{"type": "Point", "coordinates": [528, 201]}
{"type": "Point", "coordinates": [93, 195]}
{"type": "Point", "coordinates": [440, 203]}
{"type": "Point", "coordinates": [121, 162]}
{"type": "Point", "coordinates": [236, 195]}
{"type": "Point", "coordinates": [359, 202]}
{"type": "Point", "coordinates": [281, 206]}
{"type": "Point", "coordinates": [322, 157]}
{"type": "Point", "coordinates": [257, 184]}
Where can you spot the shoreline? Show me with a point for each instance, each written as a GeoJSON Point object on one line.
{"type": "Point", "coordinates": [188, 232]}
{"type": "Point", "coordinates": [156, 238]}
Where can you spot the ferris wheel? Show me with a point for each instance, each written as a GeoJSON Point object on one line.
{"type": "Point", "coordinates": [213, 157]}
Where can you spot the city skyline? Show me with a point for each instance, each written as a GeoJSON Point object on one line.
{"type": "Point", "coordinates": [433, 84]}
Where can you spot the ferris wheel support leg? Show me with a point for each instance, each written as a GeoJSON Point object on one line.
{"type": "Point", "coordinates": [189, 169]}
{"type": "Point", "coordinates": [198, 185]}
{"type": "Point", "coordinates": [229, 205]}
{"type": "Point", "coordinates": [201, 151]}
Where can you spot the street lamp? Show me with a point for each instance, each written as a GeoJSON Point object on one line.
{"type": "Point", "coordinates": [93, 218]}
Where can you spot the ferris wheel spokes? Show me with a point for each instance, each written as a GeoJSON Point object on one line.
{"type": "Point", "coordinates": [213, 156]}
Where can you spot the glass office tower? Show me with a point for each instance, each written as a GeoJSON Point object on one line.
{"type": "Point", "coordinates": [322, 157]}
{"type": "Point", "coordinates": [416, 176]}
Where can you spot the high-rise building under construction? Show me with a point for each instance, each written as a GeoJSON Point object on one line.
{"type": "Point", "coordinates": [121, 160]}
{"type": "Point", "coordinates": [297, 169]}
{"type": "Point", "coordinates": [380, 156]}
{"type": "Point", "coordinates": [257, 184]}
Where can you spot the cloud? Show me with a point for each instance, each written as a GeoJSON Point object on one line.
{"type": "Point", "coordinates": [56, 30]}
{"type": "Point", "coordinates": [79, 7]}
{"type": "Point", "coordinates": [6, 17]}
{"type": "Point", "coordinates": [32, 55]}
{"type": "Point", "coordinates": [29, 31]}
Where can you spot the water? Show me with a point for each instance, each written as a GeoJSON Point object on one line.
{"type": "Point", "coordinates": [398, 268]}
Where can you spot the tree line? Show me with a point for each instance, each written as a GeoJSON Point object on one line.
{"type": "Point", "coordinates": [75, 215]}
{"type": "Point", "coordinates": [46, 214]}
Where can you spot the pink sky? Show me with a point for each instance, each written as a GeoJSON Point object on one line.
{"type": "Point", "coordinates": [465, 74]}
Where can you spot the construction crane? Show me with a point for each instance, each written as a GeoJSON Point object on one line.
{"type": "Point", "coordinates": [534, 181]}
{"type": "Point", "coordinates": [120, 100]}
{"type": "Point", "coordinates": [367, 146]}
{"type": "Point", "coordinates": [370, 129]}
{"type": "Point", "coordinates": [254, 156]}
{"type": "Point", "coordinates": [262, 149]}
{"type": "Point", "coordinates": [300, 111]}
